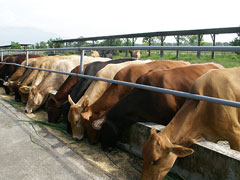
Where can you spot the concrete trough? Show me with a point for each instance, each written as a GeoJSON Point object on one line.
{"type": "Point", "coordinates": [209, 161]}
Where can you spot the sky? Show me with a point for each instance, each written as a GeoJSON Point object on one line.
{"type": "Point", "coordinates": [75, 18]}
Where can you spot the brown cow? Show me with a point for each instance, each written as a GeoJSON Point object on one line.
{"type": "Point", "coordinates": [195, 121]}
{"type": "Point", "coordinates": [115, 92]}
{"type": "Point", "coordinates": [142, 105]}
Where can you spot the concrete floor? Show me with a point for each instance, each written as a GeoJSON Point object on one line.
{"type": "Point", "coordinates": [25, 155]}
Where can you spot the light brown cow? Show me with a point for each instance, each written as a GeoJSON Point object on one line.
{"type": "Point", "coordinates": [94, 53]}
{"type": "Point", "coordinates": [196, 121]}
{"type": "Point", "coordinates": [38, 95]}
{"type": "Point", "coordinates": [13, 80]}
{"type": "Point", "coordinates": [36, 76]}
{"type": "Point", "coordinates": [18, 80]}
{"type": "Point", "coordinates": [135, 53]}
{"type": "Point", "coordinates": [94, 91]}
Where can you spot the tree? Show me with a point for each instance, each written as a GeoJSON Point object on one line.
{"type": "Point", "coordinates": [236, 42]}
{"type": "Point", "coordinates": [56, 45]}
{"type": "Point", "coordinates": [152, 39]}
{"type": "Point", "coordinates": [15, 45]}
{"type": "Point", "coordinates": [191, 40]}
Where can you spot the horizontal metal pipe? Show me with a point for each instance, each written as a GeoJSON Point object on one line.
{"type": "Point", "coordinates": [145, 87]}
{"type": "Point", "coordinates": [167, 48]}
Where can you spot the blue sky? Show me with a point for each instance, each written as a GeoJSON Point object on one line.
{"type": "Point", "coordinates": [74, 18]}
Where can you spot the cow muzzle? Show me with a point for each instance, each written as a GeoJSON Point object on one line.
{"type": "Point", "coordinates": [78, 137]}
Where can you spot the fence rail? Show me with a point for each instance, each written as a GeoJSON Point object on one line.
{"type": "Point", "coordinates": [141, 86]}
{"type": "Point", "coordinates": [168, 48]}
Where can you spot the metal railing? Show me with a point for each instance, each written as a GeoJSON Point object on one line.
{"type": "Point", "coordinates": [141, 86]}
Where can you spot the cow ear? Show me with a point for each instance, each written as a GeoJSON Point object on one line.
{"type": "Point", "coordinates": [70, 100]}
{"type": "Point", "coordinates": [87, 114]}
{"type": "Point", "coordinates": [86, 101]}
{"type": "Point", "coordinates": [153, 130]}
{"type": "Point", "coordinates": [25, 89]}
{"type": "Point", "coordinates": [97, 124]}
{"type": "Point", "coordinates": [181, 151]}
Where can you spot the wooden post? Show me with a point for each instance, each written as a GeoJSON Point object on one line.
{"type": "Point", "coordinates": [93, 43]}
{"type": "Point", "coordinates": [213, 36]}
{"type": "Point", "coordinates": [149, 43]}
{"type": "Point", "coordinates": [162, 40]}
{"type": "Point", "coordinates": [177, 52]}
{"type": "Point", "coordinates": [200, 36]}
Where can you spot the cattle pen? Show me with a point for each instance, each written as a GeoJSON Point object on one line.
{"type": "Point", "coordinates": [132, 147]}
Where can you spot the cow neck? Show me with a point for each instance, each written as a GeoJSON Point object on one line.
{"type": "Point", "coordinates": [184, 129]}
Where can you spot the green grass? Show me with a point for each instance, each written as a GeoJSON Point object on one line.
{"type": "Point", "coordinates": [225, 58]}
{"type": "Point", "coordinates": [13, 102]}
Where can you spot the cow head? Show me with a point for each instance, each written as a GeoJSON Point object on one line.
{"type": "Point", "coordinates": [54, 112]}
{"type": "Point", "coordinates": [94, 53]}
{"type": "Point", "coordinates": [35, 100]}
{"type": "Point", "coordinates": [10, 85]}
{"type": "Point", "coordinates": [159, 155]}
{"type": "Point", "coordinates": [74, 117]}
{"type": "Point", "coordinates": [93, 123]}
{"type": "Point", "coordinates": [24, 93]}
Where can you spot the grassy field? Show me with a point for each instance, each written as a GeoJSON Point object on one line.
{"type": "Point", "coordinates": [224, 58]}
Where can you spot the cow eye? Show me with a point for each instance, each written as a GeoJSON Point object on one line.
{"type": "Point", "coordinates": [156, 162]}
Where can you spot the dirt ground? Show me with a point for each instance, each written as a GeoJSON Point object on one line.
{"type": "Point", "coordinates": [118, 164]}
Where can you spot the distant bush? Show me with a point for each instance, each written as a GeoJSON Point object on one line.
{"type": "Point", "coordinates": [236, 42]}
{"type": "Point", "coordinates": [15, 45]}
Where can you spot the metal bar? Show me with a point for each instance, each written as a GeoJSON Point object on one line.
{"type": "Point", "coordinates": [1, 56]}
{"type": "Point", "coordinates": [200, 36]}
{"type": "Point", "coordinates": [145, 87]}
{"type": "Point", "coordinates": [168, 48]}
{"type": "Point", "coordinates": [26, 58]}
{"type": "Point", "coordinates": [149, 43]}
{"type": "Point", "coordinates": [178, 41]}
{"type": "Point", "coordinates": [81, 61]}
{"type": "Point", "coordinates": [161, 33]}
{"type": "Point", "coordinates": [213, 36]}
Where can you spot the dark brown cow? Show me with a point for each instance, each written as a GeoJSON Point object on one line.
{"type": "Point", "coordinates": [115, 92]}
{"type": "Point", "coordinates": [142, 105]}
{"type": "Point", "coordinates": [54, 102]}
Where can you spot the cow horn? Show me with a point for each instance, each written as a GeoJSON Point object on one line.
{"type": "Point", "coordinates": [153, 130]}
{"type": "Point", "coordinates": [70, 100]}
{"type": "Point", "coordinates": [86, 101]}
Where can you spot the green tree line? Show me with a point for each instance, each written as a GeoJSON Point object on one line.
{"type": "Point", "coordinates": [183, 40]}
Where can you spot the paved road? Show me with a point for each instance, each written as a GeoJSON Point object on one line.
{"type": "Point", "coordinates": [20, 158]}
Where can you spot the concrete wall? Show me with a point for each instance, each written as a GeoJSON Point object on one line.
{"type": "Point", "coordinates": [209, 161]}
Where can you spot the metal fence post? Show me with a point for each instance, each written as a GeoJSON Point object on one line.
{"type": "Point", "coordinates": [1, 56]}
{"type": "Point", "coordinates": [81, 61]}
{"type": "Point", "coordinates": [26, 58]}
